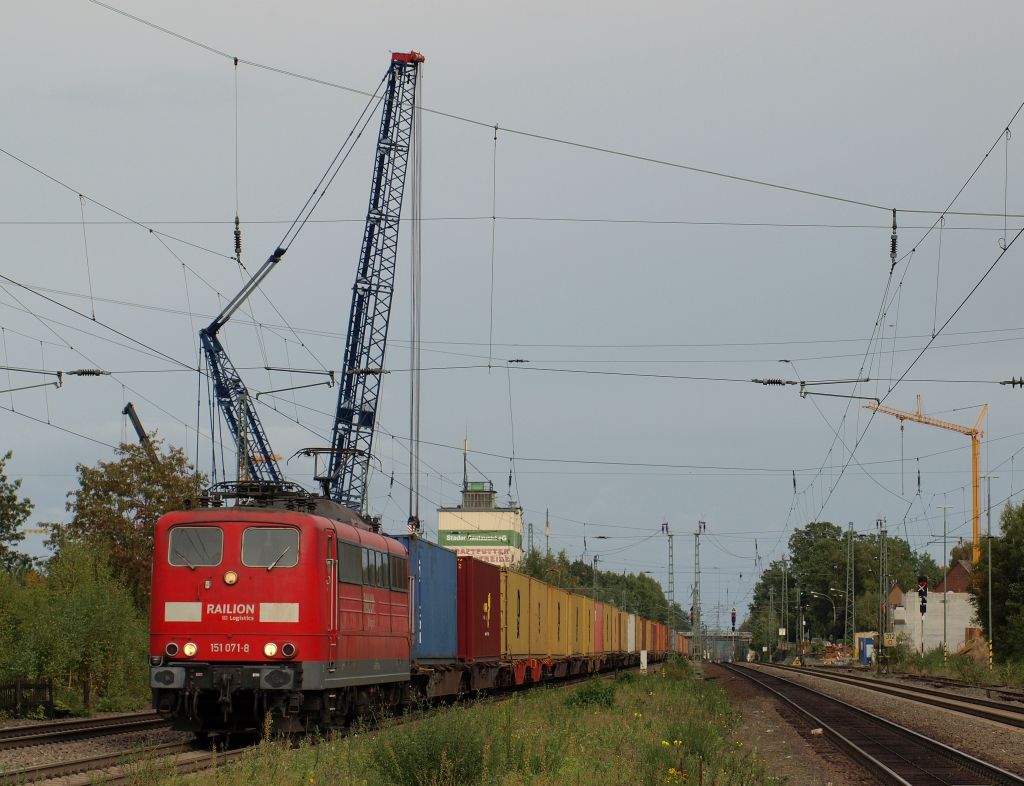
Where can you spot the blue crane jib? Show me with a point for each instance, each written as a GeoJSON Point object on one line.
{"type": "Point", "coordinates": [363, 362]}
{"type": "Point", "coordinates": [254, 453]}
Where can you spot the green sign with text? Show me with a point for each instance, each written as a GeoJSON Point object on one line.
{"type": "Point", "coordinates": [494, 537]}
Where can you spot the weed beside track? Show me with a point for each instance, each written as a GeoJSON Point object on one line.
{"type": "Point", "coordinates": [665, 727]}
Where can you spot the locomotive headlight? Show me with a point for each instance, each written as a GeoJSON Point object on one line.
{"type": "Point", "coordinates": [190, 649]}
{"type": "Point", "coordinates": [270, 649]}
{"type": "Point", "coordinates": [230, 577]}
{"type": "Point", "coordinates": [288, 650]}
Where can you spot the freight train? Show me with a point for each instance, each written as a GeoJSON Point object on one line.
{"type": "Point", "coordinates": [289, 606]}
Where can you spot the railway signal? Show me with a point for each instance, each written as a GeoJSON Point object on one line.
{"type": "Point", "coordinates": [734, 620]}
{"type": "Point", "coordinates": [803, 599]}
{"type": "Point", "coordinates": [922, 592]}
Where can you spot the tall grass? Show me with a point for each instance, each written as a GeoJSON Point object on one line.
{"type": "Point", "coordinates": [666, 727]}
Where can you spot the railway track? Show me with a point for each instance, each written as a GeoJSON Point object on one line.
{"type": "Point", "coordinates": [90, 764]}
{"type": "Point", "coordinates": [997, 711]}
{"type": "Point", "coordinates": [1003, 692]}
{"type": "Point", "coordinates": [893, 753]}
{"type": "Point", "coordinates": [63, 731]}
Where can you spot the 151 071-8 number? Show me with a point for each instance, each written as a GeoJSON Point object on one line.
{"type": "Point", "coordinates": [228, 647]}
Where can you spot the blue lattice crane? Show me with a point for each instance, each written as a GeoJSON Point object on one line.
{"type": "Point", "coordinates": [363, 362]}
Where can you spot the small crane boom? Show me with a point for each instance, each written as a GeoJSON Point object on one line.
{"type": "Point", "coordinates": [140, 431]}
{"type": "Point", "coordinates": [975, 433]}
{"type": "Point", "coordinates": [256, 460]}
{"type": "Point", "coordinates": [363, 362]}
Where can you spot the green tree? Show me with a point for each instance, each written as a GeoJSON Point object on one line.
{"type": "Point", "coordinates": [1007, 586]}
{"type": "Point", "coordinates": [14, 512]}
{"type": "Point", "coordinates": [76, 624]}
{"type": "Point", "coordinates": [118, 502]}
{"type": "Point", "coordinates": [817, 563]}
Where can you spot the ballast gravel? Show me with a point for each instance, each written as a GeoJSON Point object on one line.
{"type": "Point", "coordinates": [17, 758]}
{"type": "Point", "coordinates": [987, 740]}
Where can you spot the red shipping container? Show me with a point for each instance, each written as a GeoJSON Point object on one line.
{"type": "Point", "coordinates": [479, 605]}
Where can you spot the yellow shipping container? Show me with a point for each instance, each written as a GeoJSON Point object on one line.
{"type": "Point", "coordinates": [649, 635]}
{"type": "Point", "coordinates": [577, 625]}
{"type": "Point", "coordinates": [622, 618]}
{"type": "Point", "coordinates": [608, 642]}
{"type": "Point", "coordinates": [538, 619]}
{"type": "Point", "coordinates": [559, 623]}
{"type": "Point", "coordinates": [638, 624]}
{"type": "Point", "coordinates": [583, 625]}
{"type": "Point", "coordinates": [515, 614]}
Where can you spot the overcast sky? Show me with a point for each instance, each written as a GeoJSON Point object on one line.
{"type": "Point", "coordinates": [613, 276]}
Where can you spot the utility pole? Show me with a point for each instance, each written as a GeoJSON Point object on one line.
{"type": "Point", "coordinates": [547, 531]}
{"type": "Point", "coordinates": [945, 576]}
{"type": "Point", "coordinates": [850, 627]}
{"type": "Point", "coordinates": [988, 499]}
{"type": "Point", "coordinates": [529, 537]}
{"type": "Point", "coordinates": [771, 620]}
{"type": "Point", "coordinates": [785, 600]}
{"type": "Point", "coordinates": [883, 598]}
{"type": "Point", "coordinates": [671, 584]}
{"type": "Point", "coordinates": [701, 526]}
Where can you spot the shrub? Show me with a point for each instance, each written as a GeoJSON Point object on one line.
{"type": "Point", "coordinates": [594, 693]}
{"type": "Point", "coordinates": [441, 750]}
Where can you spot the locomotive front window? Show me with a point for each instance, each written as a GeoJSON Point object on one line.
{"type": "Point", "coordinates": [270, 547]}
{"type": "Point", "coordinates": [193, 547]}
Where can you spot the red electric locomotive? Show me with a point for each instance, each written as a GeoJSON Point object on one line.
{"type": "Point", "coordinates": [283, 604]}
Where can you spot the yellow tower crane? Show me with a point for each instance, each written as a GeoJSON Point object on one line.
{"type": "Point", "coordinates": [974, 433]}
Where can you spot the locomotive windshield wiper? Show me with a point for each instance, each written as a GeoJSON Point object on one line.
{"type": "Point", "coordinates": [280, 556]}
{"type": "Point", "coordinates": [185, 559]}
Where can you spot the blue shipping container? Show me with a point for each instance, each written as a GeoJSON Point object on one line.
{"type": "Point", "coordinates": [866, 648]}
{"type": "Point", "coordinates": [434, 570]}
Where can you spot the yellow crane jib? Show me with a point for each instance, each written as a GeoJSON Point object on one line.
{"type": "Point", "coordinates": [974, 432]}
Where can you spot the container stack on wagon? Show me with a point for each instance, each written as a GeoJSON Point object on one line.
{"type": "Point", "coordinates": [401, 618]}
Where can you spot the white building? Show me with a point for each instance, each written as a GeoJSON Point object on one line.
{"type": "Point", "coordinates": [481, 529]}
{"type": "Point", "coordinates": [960, 613]}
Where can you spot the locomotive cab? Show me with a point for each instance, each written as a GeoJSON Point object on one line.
{"type": "Point", "coordinates": [273, 609]}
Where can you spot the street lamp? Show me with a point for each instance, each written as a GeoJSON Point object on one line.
{"type": "Point", "coordinates": [829, 599]}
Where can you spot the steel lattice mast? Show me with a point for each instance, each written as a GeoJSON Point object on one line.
{"type": "Point", "coordinates": [363, 363]}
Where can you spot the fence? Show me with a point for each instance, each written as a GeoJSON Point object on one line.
{"type": "Point", "coordinates": [22, 695]}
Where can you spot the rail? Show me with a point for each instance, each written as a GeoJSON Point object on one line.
{"type": "Point", "coordinates": [893, 753]}
{"type": "Point", "coordinates": [43, 733]}
{"type": "Point", "coordinates": [997, 711]}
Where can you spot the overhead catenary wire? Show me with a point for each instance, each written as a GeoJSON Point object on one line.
{"type": "Point", "coordinates": [726, 224]}
{"type": "Point", "coordinates": [883, 308]}
{"type": "Point", "coordinates": [519, 132]}
{"type": "Point", "coordinates": [559, 345]}
{"type": "Point", "coordinates": [106, 207]}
